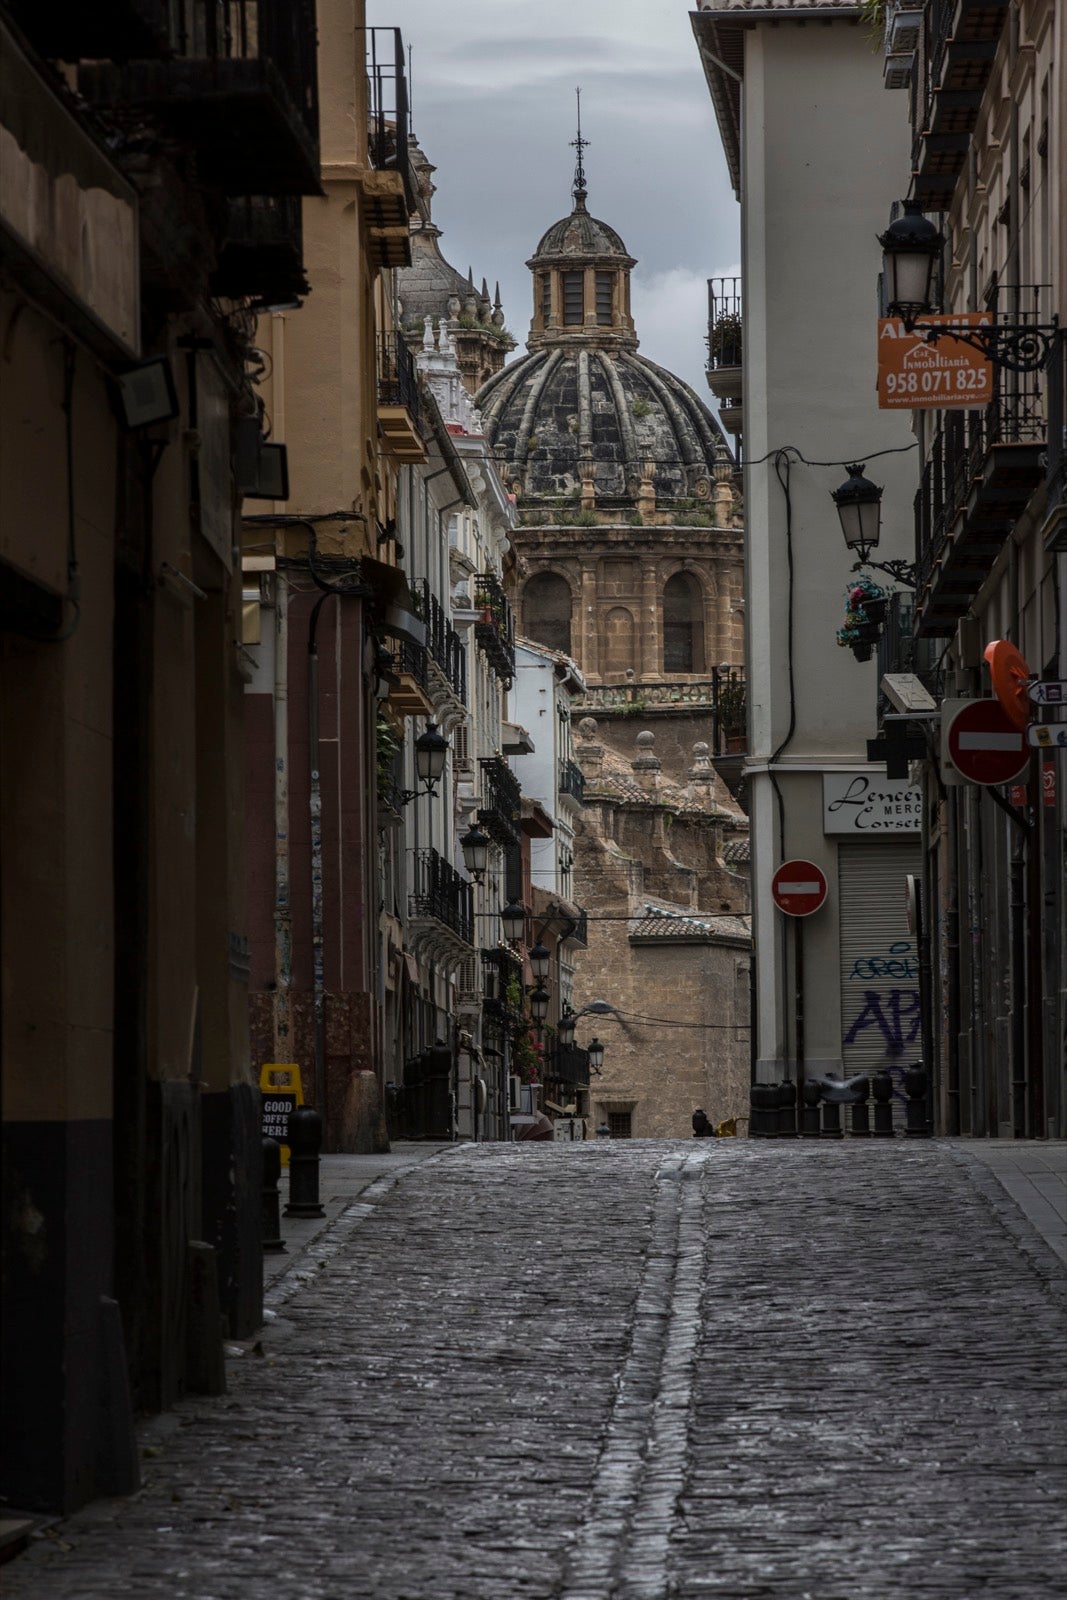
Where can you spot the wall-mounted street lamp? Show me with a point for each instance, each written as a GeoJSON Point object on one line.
{"type": "Point", "coordinates": [911, 252]}
{"type": "Point", "coordinates": [565, 1028]}
{"type": "Point", "coordinates": [539, 1006]}
{"type": "Point", "coordinates": [431, 749]}
{"type": "Point", "coordinates": [539, 962]}
{"type": "Point", "coordinates": [475, 846]}
{"type": "Point", "coordinates": [595, 1054]}
{"type": "Point", "coordinates": [513, 921]}
{"type": "Point", "coordinates": [859, 507]}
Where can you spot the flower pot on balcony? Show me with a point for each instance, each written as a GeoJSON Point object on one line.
{"type": "Point", "coordinates": [874, 611]}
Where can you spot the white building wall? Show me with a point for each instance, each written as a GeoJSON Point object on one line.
{"type": "Point", "coordinates": [823, 149]}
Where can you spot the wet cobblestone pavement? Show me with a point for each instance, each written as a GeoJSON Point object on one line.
{"type": "Point", "coordinates": [627, 1370]}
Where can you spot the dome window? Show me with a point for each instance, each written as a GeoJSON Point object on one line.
{"type": "Point", "coordinates": [573, 283]}
{"type": "Point", "coordinates": [546, 297]}
{"type": "Point", "coordinates": [683, 625]}
{"type": "Point", "coordinates": [604, 288]}
{"type": "Point", "coordinates": [547, 611]}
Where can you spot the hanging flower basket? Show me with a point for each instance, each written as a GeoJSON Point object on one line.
{"type": "Point", "coordinates": [861, 650]}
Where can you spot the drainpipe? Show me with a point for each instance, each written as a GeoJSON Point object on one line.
{"type": "Point", "coordinates": [315, 815]}
{"type": "Point", "coordinates": [283, 927]}
{"type": "Point", "coordinates": [952, 941]}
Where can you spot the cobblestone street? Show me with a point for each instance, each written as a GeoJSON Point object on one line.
{"type": "Point", "coordinates": [622, 1369]}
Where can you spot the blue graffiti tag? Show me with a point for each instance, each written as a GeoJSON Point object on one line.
{"type": "Point", "coordinates": [895, 1012]}
{"type": "Point", "coordinates": [899, 961]}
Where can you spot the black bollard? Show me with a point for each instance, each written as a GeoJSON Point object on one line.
{"type": "Point", "coordinates": [305, 1142]}
{"type": "Point", "coordinates": [270, 1219]}
{"type": "Point", "coordinates": [809, 1116]}
{"type": "Point", "coordinates": [860, 1120]}
{"type": "Point", "coordinates": [916, 1124]}
{"type": "Point", "coordinates": [757, 1115]}
{"type": "Point", "coordinates": [787, 1110]}
{"type": "Point", "coordinates": [831, 1119]}
{"type": "Point", "coordinates": [882, 1090]}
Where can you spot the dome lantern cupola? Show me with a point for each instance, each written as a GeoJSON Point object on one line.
{"type": "Point", "coordinates": [581, 277]}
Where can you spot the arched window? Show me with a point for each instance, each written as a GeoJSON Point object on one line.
{"type": "Point", "coordinates": [546, 608]}
{"type": "Point", "coordinates": [683, 624]}
{"type": "Point", "coordinates": [617, 648]}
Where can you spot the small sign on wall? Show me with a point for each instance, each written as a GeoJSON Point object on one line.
{"type": "Point", "coordinates": [869, 803]}
{"type": "Point", "coordinates": [942, 376]}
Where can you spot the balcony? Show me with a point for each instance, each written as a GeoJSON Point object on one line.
{"type": "Point", "coordinates": [110, 30]}
{"type": "Point", "coordinates": [261, 252]}
{"type": "Point", "coordinates": [399, 410]}
{"type": "Point", "coordinates": [389, 195]}
{"type": "Point", "coordinates": [729, 718]}
{"type": "Point", "coordinates": [495, 626]}
{"type": "Point", "coordinates": [238, 85]}
{"type": "Point", "coordinates": [724, 349]}
{"type": "Point", "coordinates": [982, 469]}
{"type": "Point", "coordinates": [957, 48]}
{"type": "Point", "coordinates": [447, 656]}
{"type": "Point", "coordinates": [409, 692]}
{"type": "Point", "coordinates": [1055, 530]}
{"type": "Point", "coordinates": [571, 783]}
{"type": "Point", "coordinates": [501, 984]}
{"type": "Point", "coordinates": [442, 908]}
{"type": "Point", "coordinates": [501, 800]}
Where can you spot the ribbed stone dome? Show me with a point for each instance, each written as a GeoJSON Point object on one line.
{"type": "Point", "coordinates": [560, 416]}
{"type": "Point", "coordinates": [583, 236]}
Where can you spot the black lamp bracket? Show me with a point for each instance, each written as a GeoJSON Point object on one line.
{"type": "Point", "coordinates": [1016, 346]}
{"type": "Point", "coordinates": [902, 572]}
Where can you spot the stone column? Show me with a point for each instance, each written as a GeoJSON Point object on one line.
{"type": "Point", "coordinates": [589, 624]}
{"type": "Point", "coordinates": [651, 623]}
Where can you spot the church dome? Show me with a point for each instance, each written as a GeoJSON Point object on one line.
{"type": "Point", "coordinates": [583, 422]}
{"type": "Point", "coordinates": [601, 429]}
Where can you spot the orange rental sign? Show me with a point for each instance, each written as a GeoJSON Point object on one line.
{"type": "Point", "coordinates": [941, 376]}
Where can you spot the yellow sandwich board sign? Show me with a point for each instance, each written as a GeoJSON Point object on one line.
{"type": "Point", "coordinates": [282, 1092]}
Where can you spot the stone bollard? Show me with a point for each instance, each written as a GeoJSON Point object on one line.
{"type": "Point", "coordinates": [787, 1110]}
{"type": "Point", "coordinates": [305, 1142]}
{"type": "Point", "coordinates": [270, 1217]}
{"type": "Point", "coordinates": [882, 1090]}
{"type": "Point", "coordinates": [916, 1125]}
{"type": "Point", "coordinates": [810, 1122]}
{"type": "Point", "coordinates": [860, 1120]}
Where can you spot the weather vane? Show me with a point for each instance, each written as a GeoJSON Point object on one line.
{"type": "Point", "coordinates": [579, 144]}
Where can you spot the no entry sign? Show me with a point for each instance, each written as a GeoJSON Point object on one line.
{"type": "Point", "coordinates": [798, 888]}
{"type": "Point", "coordinates": [985, 745]}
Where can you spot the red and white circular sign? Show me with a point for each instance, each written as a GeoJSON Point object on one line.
{"type": "Point", "coordinates": [798, 888]}
{"type": "Point", "coordinates": [985, 745]}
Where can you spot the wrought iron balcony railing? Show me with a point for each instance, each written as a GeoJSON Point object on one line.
{"type": "Point", "coordinates": [1056, 473]}
{"type": "Point", "coordinates": [441, 893]}
{"type": "Point", "coordinates": [237, 81]}
{"type": "Point", "coordinates": [724, 323]}
{"type": "Point", "coordinates": [387, 99]}
{"type": "Point", "coordinates": [442, 641]}
{"type": "Point", "coordinates": [501, 800]}
{"type": "Point", "coordinates": [261, 252]}
{"type": "Point", "coordinates": [571, 781]}
{"type": "Point", "coordinates": [495, 626]}
{"type": "Point", "coordinates": [398, 379]}
{"type": "Point", "coordinates": [501, 973]}
{"type": "Point", "coordinates": [730, 711]}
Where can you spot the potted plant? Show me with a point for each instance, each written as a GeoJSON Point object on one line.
{"type": "Point", "coordinates": [870, 598]}
{"type": "Point", "coordinates": [725, 340]}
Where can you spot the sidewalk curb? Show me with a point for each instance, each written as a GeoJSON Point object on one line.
{"type": "Point", "coordinates": [1036, 1250]}
{"type": "Point", "coordinates": [332, 1238]}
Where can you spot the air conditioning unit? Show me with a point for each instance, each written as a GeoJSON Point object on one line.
{"type": "Point", "coordinates": [896, 71]}
{"type": "Point", "coordinates": [902, 31]}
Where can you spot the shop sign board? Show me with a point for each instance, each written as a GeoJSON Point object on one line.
{"type": "Point", "coordinates": [869, 803]}
{"type": "Point", "coordinates": [281, 1091]}
{"type": "Point", "coordinates": [945, 376]}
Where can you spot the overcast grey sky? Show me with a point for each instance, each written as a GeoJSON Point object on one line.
{"type": "Point", "coordinates": [493, 107]}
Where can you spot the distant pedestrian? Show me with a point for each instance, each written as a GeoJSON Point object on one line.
{"type": "Point", "coordinates": [702, 1128]}
{"type": "Point", "coordinates": [603, 1131]}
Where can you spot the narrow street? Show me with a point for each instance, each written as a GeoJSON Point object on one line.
{"type": "Point", "coordinates": [625, 1368]}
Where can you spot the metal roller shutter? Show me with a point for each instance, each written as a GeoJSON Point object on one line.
{"type": "Point", "coordinates": [879, 960]}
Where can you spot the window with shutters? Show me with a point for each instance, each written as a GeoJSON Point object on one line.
{"type": "Point", "coordinates": [573, 283]}
{"type": "Point", "coordinates": [546, 296]}
{"type": "Point", "coordinates": [604, 283]}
